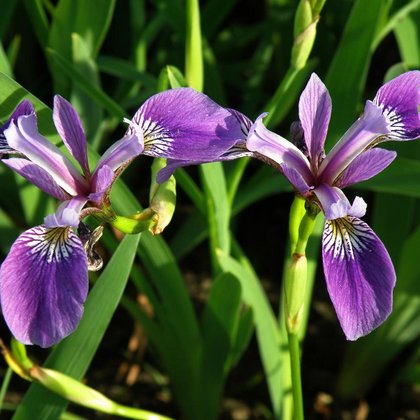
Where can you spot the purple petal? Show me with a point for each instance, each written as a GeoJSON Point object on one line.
{"type": "Point", "coordinates": [171, 165]}
{"type": "Point", "coordinates": [295, 178]}
{"type": "Point", "coordinates": [24, 137]}
{"type": "Point", "coordinates": [278, 149]}
{"type": "Point", "coordinates": [70, 128]}
{"type": "Point", "coordinates": [335, 204]}
{"type": "Point", "coordinates": [314, 114]}
{"type": "Point", "coordinates": [37, 176]}
{"type": "Point", "coordinates": [360, 136]}
{"type": "Point", "coordinates": [24, 108]}
{"type": "Point", "coordinates": [184, 124]}
{"type": "Point", "coordinates": [400, 99]}
{"type": "Point", "coordinates": [238, 150]}
{"type": "Point", "coordinates": [112, 163]}
{"type": "Point", "coordinates": [244, 121]}
{"type": "Point", "coordinates": [359, 274]}
{"type": "Point", "coordinates": [67, 214]}
{"type": "Point", "coordinates": [104, 178]}
{"type": "Point", "coordinates": [366, 165]}
{"type": "Point", "coordinates": [43, 285]}
{"type": "Point", "coordinates": [120, 154]}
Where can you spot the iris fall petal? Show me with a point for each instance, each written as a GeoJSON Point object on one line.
{"type": "Point", "coordinates": [184, 124]}
{"type": "Point", "coordinates": [359, 273]}
{"type": "Point", "coordinates": [44, 283]}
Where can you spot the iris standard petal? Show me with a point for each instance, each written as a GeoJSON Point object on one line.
{"type": "Point", "coordinates": [366, 166]}
{"type": "Point", "coordinates": [399, 100]}
{"type": "Point", "coordinates": [314, 115]}
{"type": "Point", "coordinates": [116, 159]}
{"type": "Point", "coordinates": [70, 129]}
{"type": "Point", "coordinates": [43, 285]}
{"type": "Point", "coordinates": [67, 213]}
{"type": "Point", "coordinates": [359, 273]}
{"type": "Point", "coordinates": [187, 125]}
{"type": "Point", "coordinates": [24, 137]}
{"type": "Point", "coordinates": [37, 176]}
{"type": "Point", "coordinates": [336, 205]}
{"type": "Point", "coordinates": [278, 149]}
{"type": "Point", "coordinates": [357, 139]}
{"type": "Point", "coordinates": [120, 154]}
{"type": "Point", "coordinates": [295, 178]}
{"type": "Point", "coordinates": [101, 183]}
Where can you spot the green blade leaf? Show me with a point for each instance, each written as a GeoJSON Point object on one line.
{"type": "Point", "coordinates": [98, 95]}
{"type": "Point", "coordinates": [175, 77]}
{"type": "Point", "coordinates": [266, 326]}
{"type": "Point", "coordinates": [219, 325]}
{"type": "Point", "coordinates": [347, 73]}
{"type": "Point", "coordinates": [90, 20]}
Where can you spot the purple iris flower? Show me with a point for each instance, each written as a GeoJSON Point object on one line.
{"type": "Point", "coordinates": [189, 128]}
{"type": "Point", "coordinates": [44, 278]}
{"type": "Point", "coordinates": [358, 270]}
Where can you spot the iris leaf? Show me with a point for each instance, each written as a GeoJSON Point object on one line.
{"type": "Point", "coordinates": [347, 73]}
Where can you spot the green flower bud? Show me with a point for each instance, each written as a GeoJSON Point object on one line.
{"type": "Point", "coordinates": [302, 46]}
{"type": "Point", "coordinates": [317, 6]}
{"type": "Point", "coordinates": [303, 17]}
{"type": "Point", "coordinates": [162, 198]}
{"type": "Point", "coordinates": [135, 223]}
{"type": "Point", "coordinates": [306, 19]}
{"type": "Point", "coordinates": [17, 359]}
{"type": "Point", "coordinates": [294, 288]}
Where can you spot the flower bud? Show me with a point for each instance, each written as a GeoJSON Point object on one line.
{"type": "Point", "coordinates": [294, 288]}
{"type": "Point", "coordinates": [71, 389]}
{"type": "Point", "coordinates": [17, 358]}
{"type": "Point", "coordinates": [162, 197]}
{"type": "Point", "coordinates": [304, 33]}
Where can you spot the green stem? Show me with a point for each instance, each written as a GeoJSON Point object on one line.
{"type": "Point", "coordinates": [5, 385]}
{"type": "Point", "coordinates": [294, 351]}
{"type": "Point", "coordinates": [295, 302]}
{"type": "Point", "coordinates": [297, 211]}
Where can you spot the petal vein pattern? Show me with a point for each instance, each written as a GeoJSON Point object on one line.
{"type": "Point", "coordinates": [343, 237]}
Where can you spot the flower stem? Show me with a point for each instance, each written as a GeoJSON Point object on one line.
{"type": "Point", "coordinates": [5, 385]}
{"type": "Point", "coordinates": [294, 351]}
{"type": "Point", "coordinates": [301, 224]}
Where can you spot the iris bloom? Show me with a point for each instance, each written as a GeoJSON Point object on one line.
{"type": "Point", "coordinates": [44, 278]}
{"type": "Point", "coordinates": [44, 281]}
{"type": "Point", "coordinates": [358, 270]}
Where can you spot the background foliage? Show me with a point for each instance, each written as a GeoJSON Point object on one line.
{"type": "Point", "coordinates": [206, 293]}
